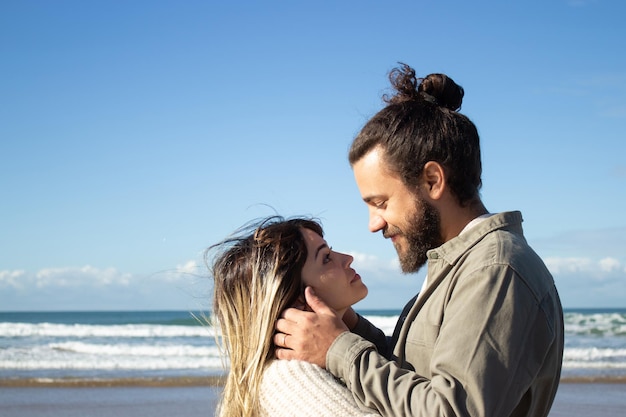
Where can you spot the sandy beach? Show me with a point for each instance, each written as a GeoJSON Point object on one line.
{"type": "Point", "coordinates": [590, 399]}
{"type": "Point", "coordinates": [199, 398]}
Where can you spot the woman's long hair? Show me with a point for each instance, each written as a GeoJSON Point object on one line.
{"type": "Point", "coordinates": [257, 274]}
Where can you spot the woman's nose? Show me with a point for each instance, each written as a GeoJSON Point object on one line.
{"type": "Point", "coordinates": [348, 259]}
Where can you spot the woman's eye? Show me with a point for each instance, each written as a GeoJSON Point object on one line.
{"type": "Point", "coordinates": [327, 256]}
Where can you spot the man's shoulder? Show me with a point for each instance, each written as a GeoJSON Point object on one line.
{"type": "Point", "coordinates": [507, 248]}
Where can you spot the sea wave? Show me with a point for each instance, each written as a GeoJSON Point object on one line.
{"type": "Point", "coordinates": [118, 363]}
{"type": "Point", "coordinates": [121, 349]}
{"type": "Point", "coordinates": [112, 331]}
{"type": "Point", "coordinates": [384, 323]}
{"type": "Point", "coordinates": [595, 324]}
{"type": "Point", "coordinates": [594, 346]}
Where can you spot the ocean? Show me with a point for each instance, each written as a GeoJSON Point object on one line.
{"type": "Point", "coordinates": [51, 346]}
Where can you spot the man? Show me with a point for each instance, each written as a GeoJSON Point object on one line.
{"type": "Point", "coordinates": [484, 337]}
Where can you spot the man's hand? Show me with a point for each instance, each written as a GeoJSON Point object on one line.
{"type": "Point", "coordinates": [305, 335]}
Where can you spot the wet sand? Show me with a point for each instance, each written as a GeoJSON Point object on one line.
{"type": "Point", "coordinates": [590, 399]}
{"type": "Point", "coordinates": [194, 398]}
{"type": "Point", "coordinates": [132, 401]}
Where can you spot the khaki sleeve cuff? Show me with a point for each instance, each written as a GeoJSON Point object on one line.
{"type": "Point", "coordinates": [343, 353]}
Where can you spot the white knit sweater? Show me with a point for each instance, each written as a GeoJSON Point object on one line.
{"type": "Point", "coordinates": [296, 388]}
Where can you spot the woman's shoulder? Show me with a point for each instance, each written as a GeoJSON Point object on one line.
{"type": "Point", "coordinates": [294, 370]}
{"type": "Point", "coordinates": [304, 389]}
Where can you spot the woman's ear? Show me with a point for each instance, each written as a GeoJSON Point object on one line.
{"type": "Point", "coordinates": [301, 304]}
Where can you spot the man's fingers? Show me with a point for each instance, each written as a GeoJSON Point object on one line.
{"type": "Point", "coordinates": [285, 326]}
{"type": "Point", "coordinates": [280, 340]}
{"type": "Point", "coordinates": [283, 353]}
{"type": "Point", "coordinates": [293, 314]}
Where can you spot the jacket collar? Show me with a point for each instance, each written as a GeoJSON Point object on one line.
{"type": "Point", "coordinates": [453, 249]}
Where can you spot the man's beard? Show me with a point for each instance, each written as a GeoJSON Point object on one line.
{"type": "Point", "coordinates": [423, 233]}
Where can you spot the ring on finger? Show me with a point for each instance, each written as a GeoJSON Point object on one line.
{"type": "Point", "coordinates": [284, 339]}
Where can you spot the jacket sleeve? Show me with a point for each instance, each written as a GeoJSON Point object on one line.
{"type": "Point", "coordinates": [484, 353]}
{"type": "Point", "coordinates": [368, 331]}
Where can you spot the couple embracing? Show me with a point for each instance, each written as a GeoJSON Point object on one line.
{"type": "Point", "coordinates": [483, 336]}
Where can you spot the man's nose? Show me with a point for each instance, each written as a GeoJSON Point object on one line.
{"type": "Point", "coordinates": [376, 223]}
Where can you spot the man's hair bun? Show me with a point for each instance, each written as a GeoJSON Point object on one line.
{"type": "Point", "coordinates": [436, 88]}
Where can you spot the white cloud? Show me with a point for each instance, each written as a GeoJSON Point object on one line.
{"type": "Point", "coordinates": [84, 276]}
{"type": "Point", "coordinates": [372, 268]}
{"type": "Point", "coordinates": [385, 275]}
{"type": "Point", "coordinates": [583, 281]}
{"type": "Point", "coordinates": [89, 276]}
{"type": "Point", "coordinates": [11, 278]}
{"type": "Point", "coordinates": [182, 272]}
{"type": "Point", "coordinates": [91, 288]}
{"type": "Point", "coordinates": [610, 265]}
{"type": "Point", "coordinates": [588, 282]}
{"type": "Point", "coordinates": [567, 265]}
{"type": "Point", "coordinates": [80, 276]}
{"type": "Point", "coordinates": [597, 269]}
{"type": "Point", "coordinates": [388, 286]}
{"type": "Point", "coordinates": [366, 261]}
{"type": "Point", "coordinates": [190, 267]}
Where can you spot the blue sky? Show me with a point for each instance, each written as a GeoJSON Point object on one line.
{"type": "Point", "coordinates": [134, 134]}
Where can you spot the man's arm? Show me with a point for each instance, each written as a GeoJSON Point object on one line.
{"type": "Point", "coordinates": [483, 357]}
{"type": "Point", "coordinates": [365, 329]}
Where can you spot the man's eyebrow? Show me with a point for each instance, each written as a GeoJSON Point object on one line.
{"type": "Point", "coordinates": [322, 246]}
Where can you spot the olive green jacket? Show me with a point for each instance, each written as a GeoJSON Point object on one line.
{"type": "Point", "coordinates": [485, 338]}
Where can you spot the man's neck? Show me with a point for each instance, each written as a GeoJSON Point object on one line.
{"type": "Point", "coordinates": [456, 217]}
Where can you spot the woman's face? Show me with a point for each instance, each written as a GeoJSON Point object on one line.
{"type": "Point", "coordinates": [330, 274]}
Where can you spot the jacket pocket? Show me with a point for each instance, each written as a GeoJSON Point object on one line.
{"type": "Point", "coordinates": [420, 342]}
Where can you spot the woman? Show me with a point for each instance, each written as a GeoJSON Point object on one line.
{"type": "Point", "coordinates": [259, 272]}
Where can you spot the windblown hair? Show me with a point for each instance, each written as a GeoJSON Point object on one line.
{"type": "Point", "coordinates": [257, 273]}
{"type": "Point", "coordinates": [421, 123]}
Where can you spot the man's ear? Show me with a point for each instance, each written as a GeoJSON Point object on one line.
{"type": "Point", "coordinates": [435, 179]}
